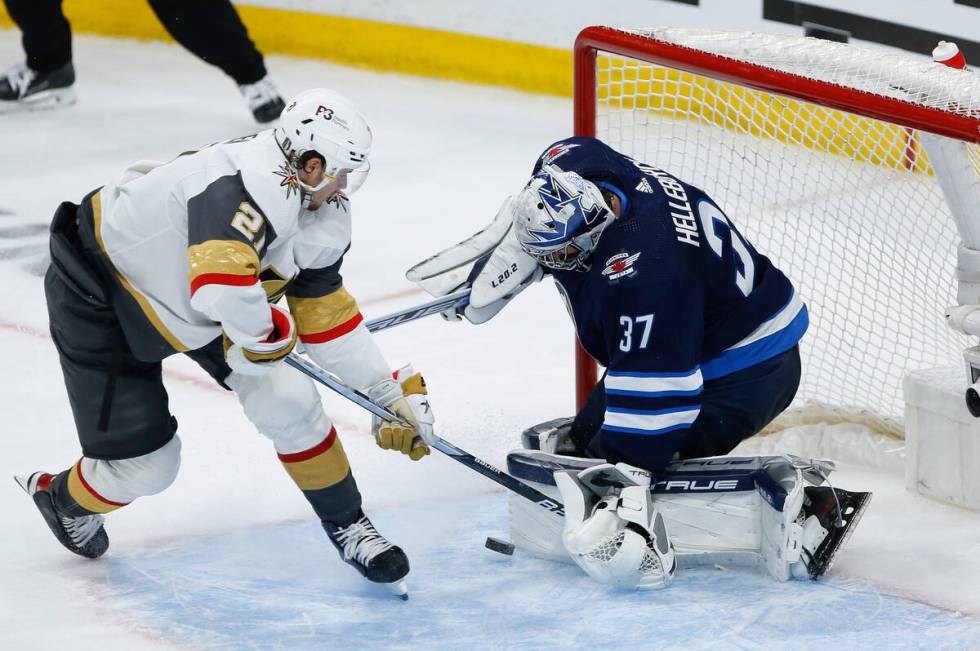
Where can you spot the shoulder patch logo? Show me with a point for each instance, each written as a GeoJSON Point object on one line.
{"type": "Point", "coordinates": [289, 179]}
{"type": "Point", "coordinates": [620, 265]}
{"type": "Point", "coordinates": [644, 186]}
{"type": "Point", "coordinates": [556, 152]}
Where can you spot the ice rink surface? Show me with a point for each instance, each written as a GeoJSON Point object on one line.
{"type": "Point", "coordinates": [230, 557]}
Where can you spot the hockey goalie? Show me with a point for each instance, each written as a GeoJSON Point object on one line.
{"type": "Point", "coordinates": [699, 334]}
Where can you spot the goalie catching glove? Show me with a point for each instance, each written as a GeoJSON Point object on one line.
{"type": "Point", "coordinates": [491, 263]}
{"type": "Point", "coordinates": [260, 357]}
{"type": "Point", "coordinates": [406, 396]}
{"type": "Point", "coordinates": [613, 530]}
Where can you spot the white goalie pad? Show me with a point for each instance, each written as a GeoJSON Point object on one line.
{"type": "Point", "coordinates": [448, 270]}
{"type": "Point", "coordinates": [743, 510]}
{"type": "Point", "coordinates": [491, 263]}
{"type": "Point", "coordinates": [612, 529]}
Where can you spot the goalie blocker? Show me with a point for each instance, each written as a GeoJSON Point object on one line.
{"type": "Point", "coordinates": [777, 511]}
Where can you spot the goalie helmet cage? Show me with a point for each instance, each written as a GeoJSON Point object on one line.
{"type": "Point", "coordinates": [811, 147]}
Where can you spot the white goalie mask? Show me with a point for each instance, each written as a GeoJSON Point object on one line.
{"type": "Point", "coordinates": [328, 123]}
{"type": "Point", "coordinates": [558, 218]}
{"type": "Point", "coordinates": [612, 530]}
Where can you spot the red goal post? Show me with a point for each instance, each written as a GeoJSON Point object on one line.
{"type": "Point", "coordinates": [932, 114]}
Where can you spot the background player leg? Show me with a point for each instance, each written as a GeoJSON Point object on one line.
{"type": "Point", "coordinates": [214, 32]}
{"type": "Point", "coordinates": [46, 78]}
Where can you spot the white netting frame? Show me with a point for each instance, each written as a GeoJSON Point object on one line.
{"type": "Point", "coordinates": [879, 274]}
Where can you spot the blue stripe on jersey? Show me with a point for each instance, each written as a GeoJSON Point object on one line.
{"type": "Point", "coordinates": [736, 359]}
{"type": "Point", "coordinates": [633, 430]}
{"type": "Point", "coordinates": [652, 412]}
{"type": "Point", "coordinates": [646, 403]}
{"type": "Point", "coordinates": [655, 394]}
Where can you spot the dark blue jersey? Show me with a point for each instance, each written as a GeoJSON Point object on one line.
{"type": "Point", "coordinates": [675, 296]}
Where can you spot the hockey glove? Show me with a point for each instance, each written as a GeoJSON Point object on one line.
{"type": "Point", "coordinates": [409, 401]}
{"type": "Point", "coordinates": [490, 262]}
{"type": "Point", "coordinates": [259, 358]}
{"type": "Point", "coordinates": [613, 530]}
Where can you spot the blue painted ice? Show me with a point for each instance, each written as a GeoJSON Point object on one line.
{"type": "Point", "coordinates": [285, 587]}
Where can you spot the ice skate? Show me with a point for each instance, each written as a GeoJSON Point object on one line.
{"type": "Point", "coordinates": [264, 100]}
{"type": "Point", "coordinates": [838, 511]}
{"type": "Point", "coordinates": [83, 535]}
{"type": "Point", "coordinates": [23, 89]}
{"type": "Point", "coordinates": [378, 560]}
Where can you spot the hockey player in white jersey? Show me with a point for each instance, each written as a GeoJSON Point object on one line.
{"type": "Point", "coordinates": [191, 256]}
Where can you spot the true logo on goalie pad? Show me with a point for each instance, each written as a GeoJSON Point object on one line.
{"type": "Point", "coordinates": [695, 485]}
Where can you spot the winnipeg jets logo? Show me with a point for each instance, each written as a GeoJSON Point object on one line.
{"type": "Point", "coordinates": [555, 152]}
{"type": "Point", "coordinates": [558, 197]}
{"type": "Point", "coordinates": [620, 265]}
{"type": "Point", "coordinates": [289, 179]}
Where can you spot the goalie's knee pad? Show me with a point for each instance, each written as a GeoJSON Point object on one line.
{"type": "Point", "coordinates": [284, 406]}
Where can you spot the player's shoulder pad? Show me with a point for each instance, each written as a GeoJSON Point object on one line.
{"type": "Point", "coordinates": [324, 234]}
{"type": "Point", "coordinates": [268, 179]}
{"type": "Point", "coordinates": [569, 154]}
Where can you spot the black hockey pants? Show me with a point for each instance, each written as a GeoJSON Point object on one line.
{"type": "Point", "coordinates": [119, 403]}
{"type": "Point", "coordinates": [211, 29]}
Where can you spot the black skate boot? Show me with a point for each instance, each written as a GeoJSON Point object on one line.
{"type": "Point", "coordinates": [24, 89]}
{"type": "Point", "coordinates": [263, 99]}
{"type": "Point", "coordinates": [83, 535]}
{"type": "Point", "coordinates": [361, 546]}
{"type": "Point", "coordinates": [838, 511]}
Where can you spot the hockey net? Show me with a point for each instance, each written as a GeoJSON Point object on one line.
{"type": "Point", "coordinates": [813, 149]}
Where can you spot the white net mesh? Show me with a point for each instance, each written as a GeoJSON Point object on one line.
{"type": "Point", "coordinates": [846, 205]}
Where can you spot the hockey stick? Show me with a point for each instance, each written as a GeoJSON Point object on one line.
{"type": "Point", "coordinates": [492, 473]}
{"type": "Point", "coordinates": [455, 300]}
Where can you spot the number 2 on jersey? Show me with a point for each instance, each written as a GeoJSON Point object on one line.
{"type": "Point", "coordinates": [711, 218]}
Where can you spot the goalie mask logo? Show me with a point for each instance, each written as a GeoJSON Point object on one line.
{"type": "Point", "coordinates": [620, 265]}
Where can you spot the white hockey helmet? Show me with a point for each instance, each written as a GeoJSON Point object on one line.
{"type": "Point", "coordinates": [324, 121]}
{"type": "Point", "coordinates": [558, 218]}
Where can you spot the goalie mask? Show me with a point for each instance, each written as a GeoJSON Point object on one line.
{"type": "Point", "coordinates": [558, 218]}
{"type": "Point", "coordinates": [324, 121]}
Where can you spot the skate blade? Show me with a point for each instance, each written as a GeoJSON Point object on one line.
{"type": "Point", "coordinates": [24, 482]}
{"type": "Point", "coordinates": [398, 588]}
{"type": "Point", "coordinates": [45, 100]}
{"type": "Point", "coordinates": [832, 553]}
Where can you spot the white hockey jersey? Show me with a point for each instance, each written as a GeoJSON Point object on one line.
{"type": "Point", "coordinates": [200, 245]}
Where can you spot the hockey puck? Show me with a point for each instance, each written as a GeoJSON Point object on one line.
{"type": "Point", "coordinates": [500, 546]}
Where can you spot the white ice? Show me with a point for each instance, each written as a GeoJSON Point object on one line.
{"type": "Point", "coordinates": [230, 556]}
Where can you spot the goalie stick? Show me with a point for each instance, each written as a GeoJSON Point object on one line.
{"type": "Point", "coordinates": [456, 300]}
{"type": "Point", "coordinates": [492, 473]}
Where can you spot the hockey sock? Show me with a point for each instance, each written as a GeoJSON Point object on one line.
{"type": "Point", "coordinates": [73, 496]}
{"type": "Point", "coordinates": [323, 474]}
